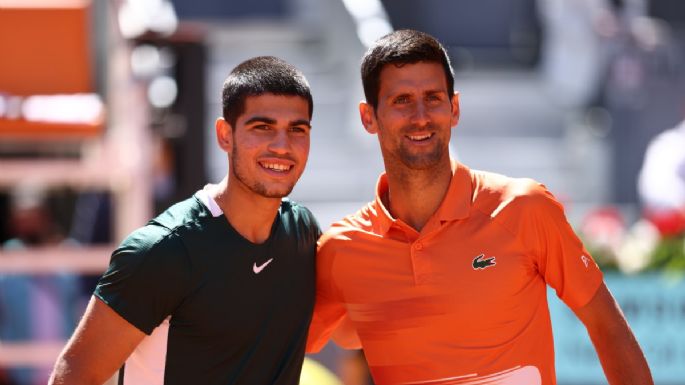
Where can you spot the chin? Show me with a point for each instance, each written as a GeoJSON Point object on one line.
{"type": "Point", "coordinates": [274, 192]}
{"type": "Point", "coordinates": [421, 163]}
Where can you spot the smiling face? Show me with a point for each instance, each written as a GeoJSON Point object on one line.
{"type": "Point", "coordinates": [269, 145]}
{"type": "Point", "coordinates": [414, 116]}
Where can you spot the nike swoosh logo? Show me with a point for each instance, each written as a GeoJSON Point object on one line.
{"type": "Point", "coordinates": [258, 269]}
{"type": "Point", "coordinates": [480, 263]}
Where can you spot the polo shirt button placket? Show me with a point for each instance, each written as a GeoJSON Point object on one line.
{"type": "Point", "coordinates": [420, 275]}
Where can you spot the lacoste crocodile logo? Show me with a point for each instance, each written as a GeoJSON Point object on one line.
{"type": "Point", "coordinates": [480, 263]}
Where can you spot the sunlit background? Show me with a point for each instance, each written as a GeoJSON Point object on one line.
{"type": "Point", "coordinates": [107, 111]}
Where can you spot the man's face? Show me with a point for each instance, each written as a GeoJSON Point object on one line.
{"type": "Point", "coordinates": [269, 144]}
{"type": "Point", "coordinates": [414, 116]}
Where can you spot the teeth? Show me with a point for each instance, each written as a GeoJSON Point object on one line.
{"type": "Point", "coordinates": [419, 137]}
{"type": "Point", "coordinates": [276, 166]}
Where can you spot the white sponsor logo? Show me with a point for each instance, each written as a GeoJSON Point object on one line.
{"type": "Point", "coordinates": [258, 269]}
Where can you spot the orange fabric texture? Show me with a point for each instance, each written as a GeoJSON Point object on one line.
{"type": "Point", "coordinates": [464, 300]}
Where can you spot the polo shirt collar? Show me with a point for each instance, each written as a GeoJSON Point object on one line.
{"type": "Point", "coordinates": [456, 205]}
{"type": "Point", "coordinates": [383, 218]}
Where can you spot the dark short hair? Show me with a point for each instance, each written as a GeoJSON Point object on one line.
{"type": "Point", "coordinates": [262, 75]}
{"type": "Point", "coordinates": [405, 46]}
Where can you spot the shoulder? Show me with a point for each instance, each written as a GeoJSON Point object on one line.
{"type": "Point", "coordinates": [297, 213]}
{"type": "Point", "coordinates": [496, 194]}
{"type": "Point", "coordinates": [161, 237]}
{"type": "Point", "coordinates": [350, 227]}
{"type": "Point", "coordinates": [182, 214]}
{"type": "Point", "coordinates": [150, 246]}
{"type": "Point", "coordinates": [299, 220]}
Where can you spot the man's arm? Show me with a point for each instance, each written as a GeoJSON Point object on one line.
{"type": "Point", "coordinates": [100, 345]}
{"type": "Point", "coordinates": [616, 346]}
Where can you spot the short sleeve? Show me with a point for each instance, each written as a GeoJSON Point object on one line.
{"type": "Point", "coordinates": [311, 224]}
{"type": "Point", "coordinates": [561, 258]}
{"type": "Point", "coordinates": [147, 278]}
{"type": "Point", "coordinates": [329, 310]}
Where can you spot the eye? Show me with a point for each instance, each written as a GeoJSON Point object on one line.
{"type": "Point", "coordinates": [402, 99]}
{"type": "Point", "coordinates": [434, 97]}
{"type": "Point", "coordinates": [299, 129]}
{"type": "Point", "coordinates": [261, 127]}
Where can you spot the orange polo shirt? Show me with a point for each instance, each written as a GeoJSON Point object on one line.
{"type": "Point", "coordinates": [464, 300]}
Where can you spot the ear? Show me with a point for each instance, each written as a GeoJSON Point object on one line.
{"type": "Point", "coordinates": [224, 134]}
{"type": "Point", "coordinates": [455, 109]}
{"type": "Point", "coordinates": [368, 117]}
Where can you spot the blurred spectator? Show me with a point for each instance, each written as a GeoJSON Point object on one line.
{"type": "Point", "coordinates": [596, 49]}
{"type": "Point", "coordinates": [639, 48]}
{"type": "Point", "coordinates": [573, 60]}
{"type": "Point", "coordinates": [661, 183]}
{"type": "Point", "coordinates": [91, 224]}
{"type": "Point", "coordinates": [35, 307]}
{"type": "Point", "coordinates": [4, 378]}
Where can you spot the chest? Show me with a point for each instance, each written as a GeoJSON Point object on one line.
{"type": "Point", "coordinates": [462, 266]}
{"type": "Point", "coordinates": [238, 287]}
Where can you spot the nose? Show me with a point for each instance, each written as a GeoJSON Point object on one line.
{"type": "Point", "coordinates": [280, 143]}
{"type": "Point", "coordinates": [420, 115]}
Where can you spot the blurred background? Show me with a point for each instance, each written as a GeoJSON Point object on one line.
{"type": "Point", "coordinates": [107, 111]}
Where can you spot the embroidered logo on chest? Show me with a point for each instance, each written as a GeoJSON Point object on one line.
{"type": "Point", "coordinates": [480, 263]}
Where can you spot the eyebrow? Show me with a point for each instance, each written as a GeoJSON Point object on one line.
{"type": "Point", "coordinates": [301, 122]}
{"type": "Point", "coordinates": [410, 94]}
{"type": "Point", "coordinates": [260, 119]}
{"type": "Point", "coordinates": [264, 119]}
{"type": "Point", "coordinates": [436, 91]}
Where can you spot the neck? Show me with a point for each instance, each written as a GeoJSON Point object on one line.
{"type": "Point", "coordinates": [250, 214]}
{"type": "Point", "coordinates": [415, 195]}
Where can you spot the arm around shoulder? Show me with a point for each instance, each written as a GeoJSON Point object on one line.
{"type": "Point", "coordinates": [100, 345]}
{"type": "Point", "coordinates": [618, 350]}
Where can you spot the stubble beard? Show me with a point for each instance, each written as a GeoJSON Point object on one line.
{"type": "Point", "coordinates": [254, 185]}
{"type": "Point", "coordinates": [421, 161]}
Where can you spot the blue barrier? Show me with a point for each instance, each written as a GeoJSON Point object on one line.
{"type": "Point", "coordinates": [654, 305]}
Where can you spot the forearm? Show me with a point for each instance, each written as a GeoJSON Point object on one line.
{"type": "Point", "coordinates": [623, 363]}
{"type": "Point", "coordinates": [100, 345]}
{"type": "Point", "coordinates": [68, 373]}
{"type": "Point", "coordinates": [616, 346]}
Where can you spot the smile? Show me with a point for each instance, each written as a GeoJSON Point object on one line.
{"type": "Point", "coordinates": [419, 138]}
{"type": "Point", "coordinates": [278, 167]}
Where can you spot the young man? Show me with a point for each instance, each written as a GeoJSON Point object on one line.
{"type": "Point", "coordinates": [443, 276]}
{"type": "Point", "coordinates": [219, 289]}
